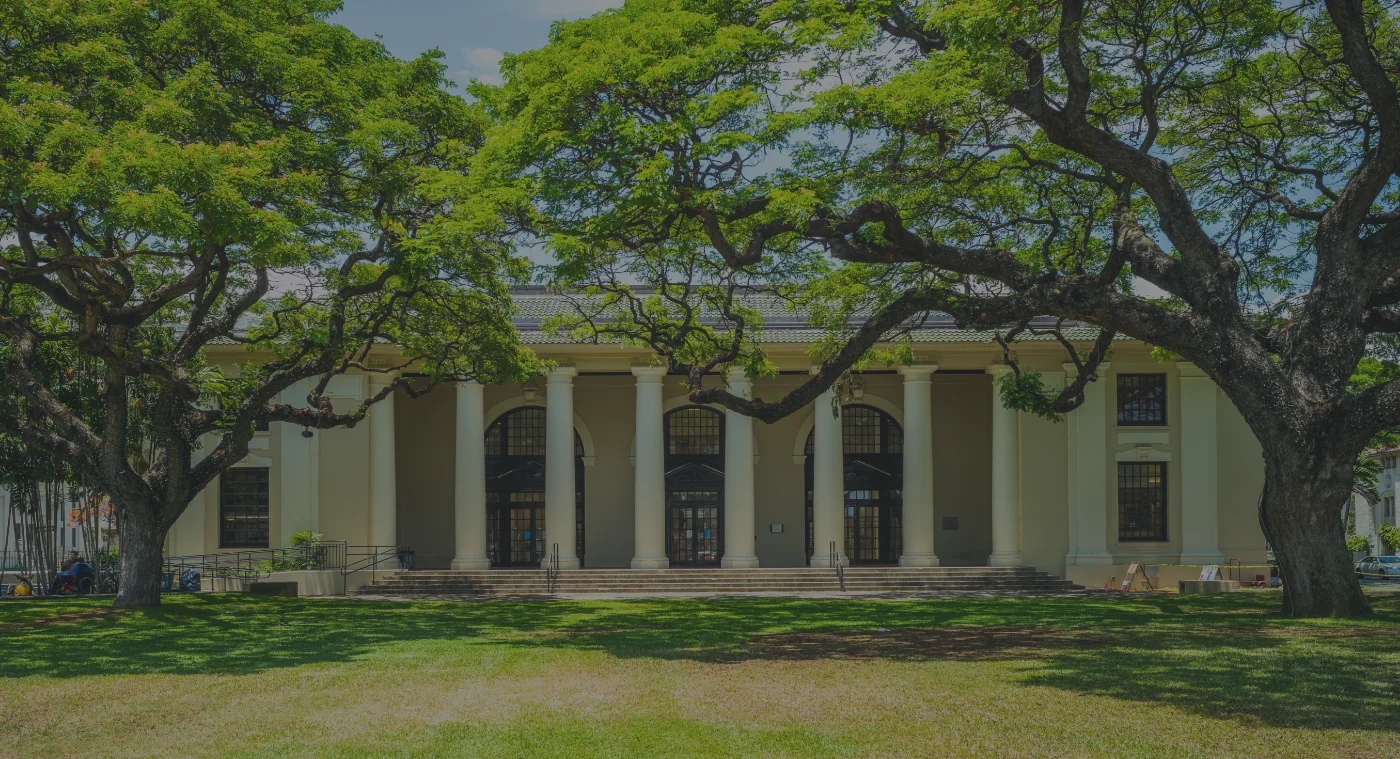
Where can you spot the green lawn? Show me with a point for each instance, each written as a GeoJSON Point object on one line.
{"type": "Point", "coordinates": [231, 675]}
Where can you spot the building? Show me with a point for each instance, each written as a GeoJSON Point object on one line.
{"type": "Point", "coordinates": [1370, 516]}
{"type": "Point", "coordinates": [922, 467]}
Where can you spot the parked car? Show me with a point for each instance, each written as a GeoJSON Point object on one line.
{"type": "Point", "coordinates": [1378, 566]}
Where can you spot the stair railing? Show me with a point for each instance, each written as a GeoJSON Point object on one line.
{"type": "Point", "coordinates": [836, 564]}
{"type": "Point", "coordinates": [551, 570]}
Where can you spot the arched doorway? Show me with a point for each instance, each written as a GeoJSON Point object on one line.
{"type": "Point", "coordinates": [872, 444]}
{"type": "Point", "coordinates": [694, 486]}
{"type": "Point", "coordinates": [515, 528]}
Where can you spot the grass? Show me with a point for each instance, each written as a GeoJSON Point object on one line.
{"type": "Point", "coordinates": [236, 676]}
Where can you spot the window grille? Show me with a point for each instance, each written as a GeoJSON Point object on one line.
{"type": "Point", "coordinates": [243, 508]}
{"type": "Point", "coordinates": [1142, 399]}
{"type": "Point", "coordinates": [694, 431]}
{"type": "Point", "coordinates": [522, 433]}
{"type": "Point", "coordinates": [865, 430]}
{"type": "Point", "coordinates": [1142, 501]}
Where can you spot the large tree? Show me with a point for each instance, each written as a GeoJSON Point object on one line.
{"type": "Point", "coordinates": [1214, 177]}
{"type": "Point", "coordinates": [176, 173]}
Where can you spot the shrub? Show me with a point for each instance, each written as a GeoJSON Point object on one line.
{"type": "Point", "coordinates": [1357, 544]}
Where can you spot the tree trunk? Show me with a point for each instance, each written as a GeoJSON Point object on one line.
{"type": "Point", "coordinates": [1319, 579]}
{"type": "Point", "coordinates": [142, 540]}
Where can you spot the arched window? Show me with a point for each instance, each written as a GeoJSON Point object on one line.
{"type": "Point", "coordinates": [872, 445]}
{"type": "Point", "coordinates": [515, 450]}
{"type": "Point", "coordinates": [694, 486]}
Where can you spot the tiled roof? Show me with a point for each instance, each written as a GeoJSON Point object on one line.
{"type": "Point", "coordinates": [781, 324]}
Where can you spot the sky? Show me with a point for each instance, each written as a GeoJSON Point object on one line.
{"type": "Point", "coordinates": [472, 34]}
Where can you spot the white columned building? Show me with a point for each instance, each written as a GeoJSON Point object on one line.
{"type": "Point", "coordinates": [828, 486]}
{"type": "Point", "coordinates": [1006, 479]}
{"type": "Point", "coordinates": [918, 467]}
{"type": "Point", "coordinates": [1088, 473]}
{"type": "Point", "coordinates": [738, 481]}
{"type": "Point", "coordinates": [1200, 523]}
{"type": "Point", "coordinates": [649, 474]}
{"type": "Point", "coordinates": [469, 492]}
{"type": "Point", "coordinates": [559, 485]}
{"type": "Point", "coordinates": [383, 483]}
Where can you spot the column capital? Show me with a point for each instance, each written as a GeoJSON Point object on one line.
{"type": "Point", "coordinates": [562, 375]}
{"type": "Point", "coordinates": [639, 371]}
{"type": "Point", "coordinates": [918, 372]}
{"type": "Point", "coordinates": [737, 374]}
{"type": "Point", "coordinates": [999, 369]}
{"type": "Point", "coordinates": [1072, 371]}
{"type": "Point", "coordinates": [1188, 369]}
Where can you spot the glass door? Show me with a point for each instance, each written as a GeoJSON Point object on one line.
{"type": "Point", "coordinates": [873, 530]}
{"type": "Point", "coordinates": [694, 528]}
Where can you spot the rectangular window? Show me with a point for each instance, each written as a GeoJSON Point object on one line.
{"type": "Point", "coordinates": [1142, 399]}
{"type": "Point", "coordinates": [1142, 501]}
{"type": "Point", "coordinates": [243, 499]}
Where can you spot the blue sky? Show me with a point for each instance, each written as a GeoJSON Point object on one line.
{"type": "Point", "coordinates": [472, 34]}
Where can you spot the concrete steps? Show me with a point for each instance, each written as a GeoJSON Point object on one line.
{"type": "Point", "coordinates": [507, 582]}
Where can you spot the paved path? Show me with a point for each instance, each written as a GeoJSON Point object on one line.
{"type": "Point", "coordinates": [630, 596]}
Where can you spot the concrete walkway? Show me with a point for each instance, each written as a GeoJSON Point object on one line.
{"type": "Point", "coordinates": [852, 596]}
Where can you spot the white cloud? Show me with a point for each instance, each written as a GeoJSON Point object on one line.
{"type": "Point", "coordinates": [482, 63]}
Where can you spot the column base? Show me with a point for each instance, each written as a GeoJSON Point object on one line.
{"type": "Point", "coordinates": [471, 563]}
{"type": "Point", "coordinates": [1202, 557]}
{"type": "Point", "coordinates": [564, 563]}
{"type": "Point", "coordinates": [651, 562]}
{"type": "Point", "coordinates": [738, 562]}
{"type": "Point", "coordinates": [1083, 559]}
{"type": "Point", "coordinates": [1004, 560]}
{"type": "Point", "coordinates": [918, 560]}
{"type": "Point", "coordinates": [823, 561]}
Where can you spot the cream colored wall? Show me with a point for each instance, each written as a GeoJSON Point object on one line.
{"type": "Point", "coordinates": [1044, 493]}
{"type": "Point", "coordinates": [1241, 482]}
{"type": "Point", "coordinates": [780, 494]}
{"type": "Point", "coordinates": [962, 467]}
{"type": "Point", "coordinates": [344, 484]}
{"type": "Point", "coordinates": [197, 529]}
{"type": "Point", "coordinates": [607, 405]}
{"type": "Point", "coordinates": [1133, 359]}
{"type": "Point", "coordinates": [425, 440]}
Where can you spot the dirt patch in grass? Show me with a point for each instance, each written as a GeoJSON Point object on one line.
{"type": "Point", "coordinates": [73, 616]}
{"type": "Point", "coordinates": [923, 643]}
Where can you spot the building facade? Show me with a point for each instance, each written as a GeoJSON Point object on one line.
{"type": "Point", "coordinates": [922, 466]}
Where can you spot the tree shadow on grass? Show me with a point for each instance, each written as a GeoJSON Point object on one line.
{"type": "Point", "coordinates": [1223, 657]}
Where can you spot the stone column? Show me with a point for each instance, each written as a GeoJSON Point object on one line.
{"type": "Point", "coordinates": [1006, 479]}
{"type": "Point", "coordinates": [469, 467]}
{"type": "Point", "coordinates": [649, 476]}
{"type": "Point", "coordinates": [1200, 525]}
{"type": "Point", "coordinates": [1088, 473]}
{"type": "Point", "coordinates": [559, 479]}
{"type": "Point", "coordinates": [918, 467]}
{"type": "Point", "coordinates": [828, 483]}
{"type": "Point", "coordinates": [383, 483]}
{"type": "Point", "coordinates": [738, 481]}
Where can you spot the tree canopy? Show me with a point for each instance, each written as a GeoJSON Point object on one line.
{"type": "Point", "coordinates": [1215, 177]}
{"type": "Point", "coordinates": [176, 174]}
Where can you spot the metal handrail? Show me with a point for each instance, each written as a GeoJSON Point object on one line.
{"type": "Point", "coordinates": [248, 565]}
{"type": "Point", "coordinates": [836, 563]}
{"type": "Point", "coordinates": [251, 563]}
{"type": "Point", "coordinates": [551, 570]}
